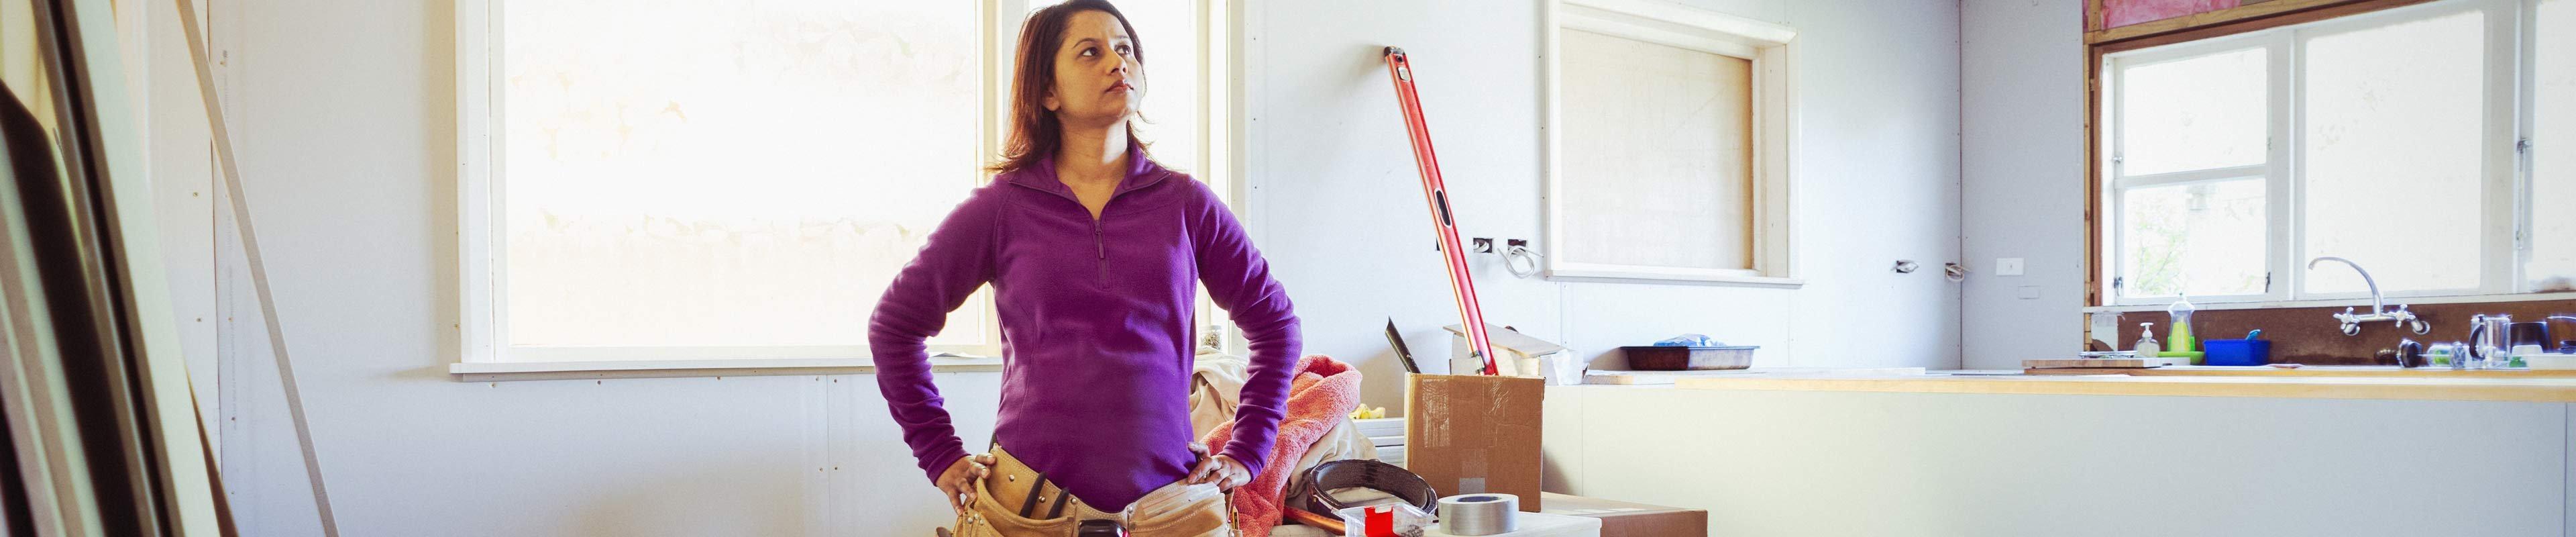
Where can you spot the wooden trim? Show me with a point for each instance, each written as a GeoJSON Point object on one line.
{"type": "Point", "coordinates": [2250, 18]}
{"type": "Point", "coordinates": [2249, 12]}
{"type": "Point", "coordinates": [2412, 389]}
{"type": "Point", "coordinates": [2093, 176]}
{"type": "Point", "coordinates": [2195, 20]}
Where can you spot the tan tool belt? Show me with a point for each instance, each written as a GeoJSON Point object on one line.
{"type": "Point", "coordinates": [1022, 490]}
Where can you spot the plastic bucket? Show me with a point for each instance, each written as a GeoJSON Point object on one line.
{"type": "Point", "coordinates": [2239, 352]}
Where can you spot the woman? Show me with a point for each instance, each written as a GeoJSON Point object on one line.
{"type": "Point", "coordinates": [1091, 249]}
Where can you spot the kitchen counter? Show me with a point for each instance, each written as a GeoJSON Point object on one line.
{"type": "Point", "coordinates": [2549, 387]}
{"type": "Point", "coordinates": [2000, 453]}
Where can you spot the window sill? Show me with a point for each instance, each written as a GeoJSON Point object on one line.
{"type": "Point", "coordinates": [632, 369]}
{"type": "Point", "coordinates": [2363, 302]}
{"type": "Point", "coordinates": [1727, 280]}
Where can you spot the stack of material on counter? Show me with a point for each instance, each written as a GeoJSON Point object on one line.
{"type": "Point", "coordinates": [1515, 355]}
{"type": "Point", "coordinates": [1625, 519]}
{"type": "Point", "coordinates": [1625, 377]}
{"type": "Point", "coordinates": [1387, 435]}
{"type": "Point", "coordinates": [2131, 362]}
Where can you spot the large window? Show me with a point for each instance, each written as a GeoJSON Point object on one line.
{"type": "Point", "coordinates": [2411, 140]}
{"type": "Point", "coordinates": [711, 179]}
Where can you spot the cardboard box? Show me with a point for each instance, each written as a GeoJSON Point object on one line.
{"type": "Point", "coordinates": [1467, 434]}
{"type": "Point", "coordinates": [1626, 519]}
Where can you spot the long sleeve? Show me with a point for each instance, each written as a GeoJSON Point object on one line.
{"type": "Point", "coordinates": [1238, 279]}
{"type": "Point", "coordinates": [957, 259]}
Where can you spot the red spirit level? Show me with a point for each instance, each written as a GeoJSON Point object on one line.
{"type": "Point", "coordinates": [1442, 221]}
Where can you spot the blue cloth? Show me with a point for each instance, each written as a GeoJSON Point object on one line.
{"type": "Point", "coordinates": [1689, 340]}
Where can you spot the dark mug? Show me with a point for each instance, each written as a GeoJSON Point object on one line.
{"type": "Point", "coordinates": [2535, 333]}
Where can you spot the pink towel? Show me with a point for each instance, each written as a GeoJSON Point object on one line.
{"type": "Point", "coordinates": [1322, 392]}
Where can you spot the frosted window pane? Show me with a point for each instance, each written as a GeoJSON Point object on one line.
{"type": "Point", "coordinates": [2553, 189]}
{"type": "Point", "coordinates": [2194, 114]}
{"type": "Point", "coordinates": [729, 173]}
{"type": "Point", "coordinates": [1658, 155]}
{"type": "Point", "coordinates": [2393, 169]}
{"type": "Point", "coordinates": [2203, 239]}
{"type": "Point", "coordinates": [1169, 30]}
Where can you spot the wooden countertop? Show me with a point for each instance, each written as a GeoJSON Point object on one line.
{"type": "Point", "coordinates": [2424, 388]}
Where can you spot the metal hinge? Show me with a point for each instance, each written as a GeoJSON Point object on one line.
{"type": "Point", "coordinates": [2522, 145]}
{"type": "Point", "coordinates": [2267, 282]}
{"type": "Point", "coordinates": [2117, 281]}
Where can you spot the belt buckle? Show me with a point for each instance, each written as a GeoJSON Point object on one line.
{"type": "Point", "coordinates": [1101, 528]}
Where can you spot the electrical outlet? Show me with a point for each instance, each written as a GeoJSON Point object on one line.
{"type": "Point", "coordinates": [2008, 266]}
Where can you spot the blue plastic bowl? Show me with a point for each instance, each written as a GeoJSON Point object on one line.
{"type": "Point", "coordinates": [2238, 352]}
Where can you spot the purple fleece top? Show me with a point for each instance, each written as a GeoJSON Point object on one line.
{"type": "Point", "coordinates": [1097, 327]}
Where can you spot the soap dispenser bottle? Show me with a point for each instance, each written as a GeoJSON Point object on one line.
{"type": "Point", "coordinates": [2178, 331]}
{"type": "Point", "coordinates": [2147, 347]}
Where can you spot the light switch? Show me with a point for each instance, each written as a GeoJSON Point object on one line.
{"type": "Point", "coordinates": [2008, 266]}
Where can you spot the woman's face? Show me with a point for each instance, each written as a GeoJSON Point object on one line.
{"type": "Point", "coordinates": [1097, 78]}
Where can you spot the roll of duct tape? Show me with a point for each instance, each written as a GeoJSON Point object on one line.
{"type": "Point", "coordinates": [1478, 514]}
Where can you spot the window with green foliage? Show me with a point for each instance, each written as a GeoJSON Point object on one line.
{"type": "Point", "coordinates": [2411, 140]}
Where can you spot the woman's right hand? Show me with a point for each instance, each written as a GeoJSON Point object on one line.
{"type": "Point", "coordinates": [958, 481]}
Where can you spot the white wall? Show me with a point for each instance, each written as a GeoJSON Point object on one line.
{"type": "Point", "coordinates": [344, 116]}
{"type": "Point", "coordinates": [2022, 108]}
{"type": "Point", "coordinates": [1340, 209]}
{"type": "Point", "coordinates": [346, 125]}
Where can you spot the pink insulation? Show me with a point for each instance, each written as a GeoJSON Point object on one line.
{"type": "Point", "coordinates": [2118, 13]}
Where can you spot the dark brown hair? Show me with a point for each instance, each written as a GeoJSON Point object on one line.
{"type": "Point", "coordinates": [1035, 132]}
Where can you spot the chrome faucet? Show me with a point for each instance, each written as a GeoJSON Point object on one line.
{"type": "Point", "coordinates": [2378, 305]}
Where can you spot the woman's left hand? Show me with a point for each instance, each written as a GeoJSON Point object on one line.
{"type": "Point", "coordinates": [1221, 470]}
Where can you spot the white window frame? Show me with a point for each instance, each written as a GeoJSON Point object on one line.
{"type": "Point", "coordinates": [1764, 44]}
{"type": "Point", "coordinates": [2506, 177]}
{"type": "Point", "coordinates": [482, 281]}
